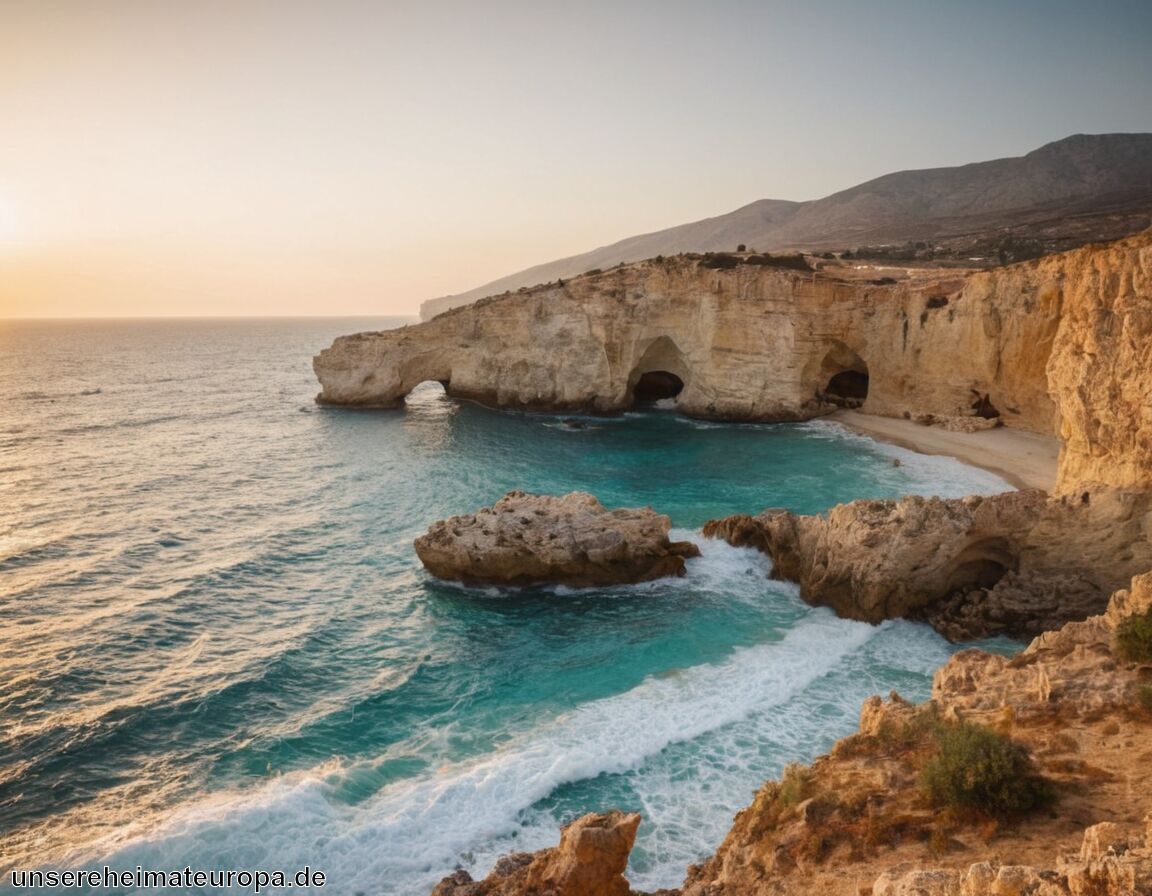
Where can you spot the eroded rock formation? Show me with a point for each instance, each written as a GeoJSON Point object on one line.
{"type": "Point", "coordinates": [540, 539]}
{"type": "Point", "coordinates": [589, 861]}
{"type": "Point", "coordinates": [749, 343]}
{"type": "Point", "coordinates": [1018, 563]}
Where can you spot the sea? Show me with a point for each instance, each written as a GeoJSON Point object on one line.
{"type": "Point", "coordinates": [218, 649]}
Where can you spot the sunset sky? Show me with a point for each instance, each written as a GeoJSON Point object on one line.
{"type": "Point", "coordinates": [284, 157]}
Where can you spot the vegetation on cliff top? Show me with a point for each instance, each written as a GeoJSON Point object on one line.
{"type": "Point", "coordinates": [1134, 639]}
{"type": "Point", "coordinates": [975, 769]}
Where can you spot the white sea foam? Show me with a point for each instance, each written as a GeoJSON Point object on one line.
{"type": "Point", "coordinates": [414, 831]}
{"type": "Point", "coordinates": [926, 474]}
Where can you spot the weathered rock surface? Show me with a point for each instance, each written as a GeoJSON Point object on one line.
{"type": "Point", "coordinates": [572, 540]}
{"type": "Point", "coordinates": [749, 343]}
{"type": "Point", "coordinates": [1100, 369]}
{"type": "Point", "coordinates": [589, 861]}
{"type": "Point", "coordinates": [1018, 563]}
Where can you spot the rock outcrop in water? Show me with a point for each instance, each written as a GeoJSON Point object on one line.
{"type": "Point", "coordinates": [539, 539]}
{"type": "Point", "coordinates": [589, 861]}
{"type": "Point", "coordinates": [1018, 563]}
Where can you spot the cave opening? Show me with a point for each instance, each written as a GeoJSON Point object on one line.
{"type": "Point", "coordinates": [656, 385]}
{"type": "Point", "coordinates": [983, 407]}
{"type": "Point", "coordinates": [842, 377]}
{"type": "Point", "coordinates": [428, 392]}
{"type": "Point", "coordinates": [982, 565]}
{"type": "Point", "coordinates": [848, 387]}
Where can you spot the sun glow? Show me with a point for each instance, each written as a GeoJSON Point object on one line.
{"type": "Point", "coordinates": [7, 220]}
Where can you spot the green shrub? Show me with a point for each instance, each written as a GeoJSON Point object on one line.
{"type": "Point", "coordinates": [1144, 697]}
{"type": "Point", "coordinates": [977, 769]}
{"type": "Point", "coordinates": [1134, 638]}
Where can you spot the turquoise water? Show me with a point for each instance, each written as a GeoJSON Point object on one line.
{"type": "Point", "coordinates": [218, 649]}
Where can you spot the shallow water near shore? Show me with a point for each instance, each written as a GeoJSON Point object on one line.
{"type": "Point", "coordinates": [217, 647]}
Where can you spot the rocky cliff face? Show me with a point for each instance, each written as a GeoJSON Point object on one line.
{"type": "Point", "coordinates": [1100, 368]}
{"type": "Point", "coordinates": [750, 343]}
{"type": "Point", "coordinates": [1056, 345]}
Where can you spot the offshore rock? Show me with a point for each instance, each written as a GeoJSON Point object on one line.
{"type": "Point", "coordinates": [589, 861]}
{"type": "Point", "coordinates": [571, 540]}
{"type": "Point", "coordinates": [1018, 563]}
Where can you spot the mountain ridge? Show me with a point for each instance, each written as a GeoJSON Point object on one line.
{"type": "Point", "coordinates": [1083, 188]}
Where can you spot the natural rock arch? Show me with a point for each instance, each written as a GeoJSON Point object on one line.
{"type": "Point", "coordinates": [843, 377]}
{"type": "Point", "coordinates": [660, 373]}
{"type": "Point", "coordinates": [426, 391]}
{"type": "Point", "coordinates": [424, 369]}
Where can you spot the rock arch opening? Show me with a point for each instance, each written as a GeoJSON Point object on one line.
{"type": "Point", "coordinates": [661, 374]}
{"type": "Point", "coordinates": [845, 377]}
{"type": "Point", "coordinates": [427, 392]}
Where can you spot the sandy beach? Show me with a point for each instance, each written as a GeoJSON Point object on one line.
{"type": "Point", "coordinates": [1026, 459]}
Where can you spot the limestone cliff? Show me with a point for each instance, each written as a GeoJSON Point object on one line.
{"type": "Point", "coordinates": [753, 342]}
{"type": "Point", "coordinates": [1055, 345]}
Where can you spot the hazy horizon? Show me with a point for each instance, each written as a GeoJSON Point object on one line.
{"type": "Point", "coordinates": [282, 159]}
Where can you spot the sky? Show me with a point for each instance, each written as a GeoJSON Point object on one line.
{"type": "Point", "coordinates": [282, 157]}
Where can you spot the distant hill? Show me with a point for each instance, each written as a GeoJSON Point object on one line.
{"type": "Point", "coordinates": [1076, 190]}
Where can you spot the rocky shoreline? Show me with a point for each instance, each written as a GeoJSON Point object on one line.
{"type": "Point", "coordinates": [857, 819]}
{"type": "Point", "coordinates": [1016, 564]}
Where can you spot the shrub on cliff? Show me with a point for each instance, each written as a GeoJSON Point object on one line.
{"type": "Point", "coordinates": [720, 261]}
{"type": "Point", "coordinates": [1134, 639]}
{"type": "Point", "coordinates": [976, 769]}
{"type": "Point", "coordinates": [795, 261]}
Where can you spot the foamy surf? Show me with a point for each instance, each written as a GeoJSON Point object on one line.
{"type": "Point", "coordinates": [416, 831]}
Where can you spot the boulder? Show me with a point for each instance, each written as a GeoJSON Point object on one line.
{"type": "Point", "coordinates": [571, 540]}
{"type": "Point", "coordinates": [589, 861]}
